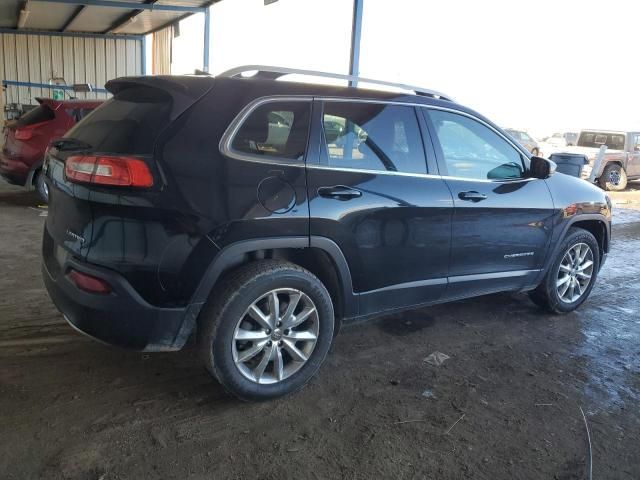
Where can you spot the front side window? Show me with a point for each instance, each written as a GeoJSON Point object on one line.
{"type": "Point", "coordinates": [472, 150]}
{"type": "Point", "coordinates": [275, 129]}
{"type": "Point", "coordinates": [371, 136]}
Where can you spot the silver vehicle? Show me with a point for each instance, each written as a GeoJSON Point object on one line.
{"type": "Point", "coordinates": [621, 160]}
{"type": "Point", "coordinates": [526, 140]}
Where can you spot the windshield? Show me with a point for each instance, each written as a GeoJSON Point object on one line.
{"type": "Point", "coordinates": [613, 141]}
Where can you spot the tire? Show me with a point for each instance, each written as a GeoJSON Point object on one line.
{"type": "Point", "coordinates": [613, 178]}
{"type": "Point", "coordinates": [547, 294]}
{"type": "Point", "coordinates": [41, 187]}
{"type": "Point", "coordinates": [226, 322]}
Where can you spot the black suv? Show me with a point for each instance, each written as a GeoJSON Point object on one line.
{"type": "Point", "coordinates": [262, 213]}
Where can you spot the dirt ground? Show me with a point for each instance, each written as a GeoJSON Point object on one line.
{"type": "Point", "coordinates": [505, 405]}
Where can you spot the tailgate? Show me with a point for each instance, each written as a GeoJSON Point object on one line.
{"type": "Point", "coordinates": [68, 229]}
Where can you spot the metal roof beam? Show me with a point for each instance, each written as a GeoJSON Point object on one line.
{"type": "Point", "coordinates": [126, 18]}
{"type": "Point", "coordinates": [73, 16]}
{"type": "Point", "coordinates": [127, 5]}
{"type": "Point", "coordinates": [161, 27]}
{"type": "Point", "coordinates": [53, 33]}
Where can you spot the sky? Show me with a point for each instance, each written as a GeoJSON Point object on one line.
{"type": "Point", "coordinates": [543, 65]}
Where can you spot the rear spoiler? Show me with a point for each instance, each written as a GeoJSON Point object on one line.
{"type": "Point", "coordinates": [184, 91]}
{"type": "Point", "coordinates": [49, 102]}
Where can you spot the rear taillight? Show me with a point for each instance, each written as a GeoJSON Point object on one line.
{"type": "Point", "coordinates": [88, 283]}
{"type": "Point", "coordinates": [107, 170]}
{"type": "Point", "coordinates": [23, 133]}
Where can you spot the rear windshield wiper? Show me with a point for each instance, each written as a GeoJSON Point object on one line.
{"type": "Point", "coordinates": [71, 144]}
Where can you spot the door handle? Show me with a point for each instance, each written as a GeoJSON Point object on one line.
{"type": "Point", "coordinates": [339, 192]}
{"type": "Point", "coordinates": [472, 196]}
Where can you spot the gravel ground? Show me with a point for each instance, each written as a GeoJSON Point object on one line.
{"type": "Point", "coordinates": [505, 405]}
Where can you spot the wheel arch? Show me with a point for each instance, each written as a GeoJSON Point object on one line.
{"type": "Point", "coordinates": [598, 225]}
{"type": "Point", "coordinates": [31, 176]}
{"type": "Point", "coordinates": [320, 255]}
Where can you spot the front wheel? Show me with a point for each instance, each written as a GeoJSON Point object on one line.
{"type": "Point", "coordinates": [571, 276]}
{"type": "Point", "coordinates": [613, 178]}
{"type": "Point", "coordinates": [266, 330]}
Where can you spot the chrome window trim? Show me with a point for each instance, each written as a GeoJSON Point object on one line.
{"type": "Point", "coordinates": [229, 134]}
{"type": "Point", "coordinates": [369, 171]}
{"type": "Point", "coordinates": [417, 175]}
{"type": "Point", "coordinates": [234, 126]}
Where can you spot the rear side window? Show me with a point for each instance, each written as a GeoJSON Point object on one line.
{"type": "Point", "coordinates": [128, 123]}
{"type": "Point", "coordinates": [372, 136]}
{"type": "Point", "coordinates": [275, 129]}
{"type": "Point", "coordinates": [41, 113]}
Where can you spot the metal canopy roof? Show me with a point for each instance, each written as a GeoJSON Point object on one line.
{"type": "Point", "coordinates": [127, 17]}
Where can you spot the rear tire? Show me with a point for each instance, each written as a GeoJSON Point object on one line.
{"type": "Point", "coordinates": [565, 286]}
{"type": "Point", "coordinates": [248, 335]}
{"type": "Point", "coordinates": [613, 178]}
{"type": "Point", "coordinates": [41, 187]}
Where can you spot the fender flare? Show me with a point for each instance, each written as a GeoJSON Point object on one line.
{"type": "Point", "coordinates": [32, 172]}
{"type": "Point", "coordinates": [563, 234]}
{"type": "Point", "coordinates": [233, 254]}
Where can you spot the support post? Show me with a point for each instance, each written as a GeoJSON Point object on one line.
{"type": "Point", "coordinates": [356, 32]}
{"type": "Point", "coordinates": [207, 36]}
{"type": "Point", "coordinates": [143, 54]}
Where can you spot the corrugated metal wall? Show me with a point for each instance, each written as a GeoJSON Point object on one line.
{"type": "Point", "coordinates": [38, 58]}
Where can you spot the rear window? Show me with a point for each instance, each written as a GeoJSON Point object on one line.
{"type": "Point", "coordinates": [41, 113]}
{"type": "Point", "coordinates": [613, 141]}
{"type": "Point", "coordinates": [128, 123]}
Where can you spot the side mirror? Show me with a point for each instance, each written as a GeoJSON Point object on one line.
{"type": "Point", "coordinates": [542, 168]}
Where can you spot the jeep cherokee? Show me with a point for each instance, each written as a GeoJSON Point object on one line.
{"type": "Point", "coordinates": [261, 214]}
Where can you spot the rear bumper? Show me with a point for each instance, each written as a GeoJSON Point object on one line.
{"type": "Point", "coordinates": [121, 318]}
{"type": "Point", "coordinates": [13, 170]}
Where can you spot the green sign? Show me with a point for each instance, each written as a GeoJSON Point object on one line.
{"type": "Point", "coordinates": [58, 94]}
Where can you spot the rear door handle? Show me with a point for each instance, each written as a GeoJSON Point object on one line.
{"type": "Point", "coordinates": [472, 196]}
{"type": "Point", "coordinates": [339, 192]}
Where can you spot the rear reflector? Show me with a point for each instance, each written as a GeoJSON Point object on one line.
{"type": "Point", "coordinates": [88, 283]}
{"type": "Point", "coordinates": [106, 170]}
{"type": "Point", "coordinates": [24, 133]}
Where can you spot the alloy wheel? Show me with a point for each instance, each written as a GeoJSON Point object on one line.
{"type": "Point", "coordinates": [614, 177]}
{"type": "Point", "coordinates": [276, 336]}
{"type": "Point", "coordinates": [575, 272]}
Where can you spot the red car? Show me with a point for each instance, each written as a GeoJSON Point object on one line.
{"type": "Point", "coordinates": [26, 139]}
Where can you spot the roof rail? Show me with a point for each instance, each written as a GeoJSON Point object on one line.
{"type": "Point", "coordinates": [273, 73]}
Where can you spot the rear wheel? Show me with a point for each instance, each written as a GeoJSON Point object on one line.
{"type": "Point", "coordinates": [571, 276]}
{"type": "Point", "coordinates": [613, 178]}
{"type": "Point", "coordinates": [266, 330]}
{"type": "Point", "coordinates": [41, 186]}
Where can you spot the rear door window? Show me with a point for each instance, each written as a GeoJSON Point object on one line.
{"type": "Point", "coordinates": [128, 123]}
{"type": "Point", "coordinates": [372, 136]}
